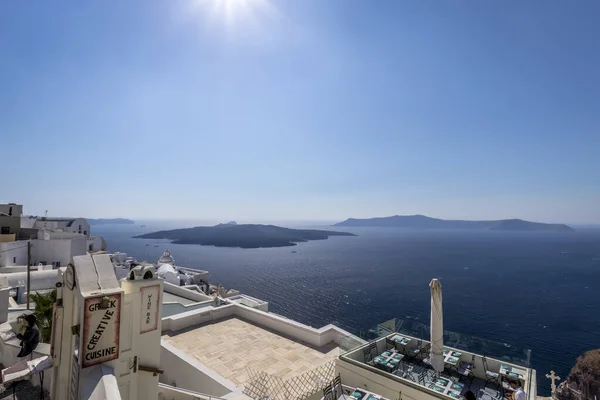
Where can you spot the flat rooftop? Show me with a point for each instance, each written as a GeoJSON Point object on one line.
{"type": "Point", "coordinates": [229, 346]}
{"type": "Point", "coordinates": [172, 298]}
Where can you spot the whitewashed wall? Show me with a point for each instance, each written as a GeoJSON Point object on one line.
{"type": "Point", "coordinates": [61, 250]}
{"type": "Point", "coordinates": [13, 253]}
{"type": "Point", "coordinates": [186, 293]}
{"type": "Point", "coordinates": [186, 372]}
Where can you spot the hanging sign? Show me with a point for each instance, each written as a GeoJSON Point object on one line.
{"type": "Point", "coordinates": [149, 308]}
{"type": "Point", "coordinates": [101, 329]}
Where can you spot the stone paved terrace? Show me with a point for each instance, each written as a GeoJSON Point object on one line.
{"type": "Point", "coordinates": [229, 345]}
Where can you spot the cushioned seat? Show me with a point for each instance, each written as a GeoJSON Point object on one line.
{"type": "Point", "coordinates": [465, 365]}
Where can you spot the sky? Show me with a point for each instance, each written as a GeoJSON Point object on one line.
{"type": "Point", "coordinates": [255, 110]}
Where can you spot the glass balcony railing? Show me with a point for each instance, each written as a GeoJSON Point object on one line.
{"type": "Point", "coordinates": [489, 348]}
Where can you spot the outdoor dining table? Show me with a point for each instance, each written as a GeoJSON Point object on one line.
{"type": "Point", "coordinates": [512, 372]}
{"type": "Point", "coordinates": [402, 341]}
{"type": "Point", "coordinates": [361, 394]}
{"type": "Point", "coordinates": [388, 360]}
{"type": "Point", "coordinates": [452, 357]}
{"type": "Point", "coordinates": [448, 387]}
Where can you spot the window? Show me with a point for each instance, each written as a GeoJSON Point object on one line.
{"type": "Point", "coordinates": [5, 230]}
{"type": "Point", "coordinates": [14, 260]}
{"type": "Point", "coordinates": [10, 211]}
{"type": "Point", "coordinates": [58, 264]}
{"type": "Point", "coordinates": [79, 228]}
{"type": "Point", "coordinates": [91, 247]}
{"type": "Point", "coordinates": [85, 233]}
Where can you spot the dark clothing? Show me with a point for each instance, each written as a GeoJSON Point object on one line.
{"type": "Point", "coordinates": [29, 340]}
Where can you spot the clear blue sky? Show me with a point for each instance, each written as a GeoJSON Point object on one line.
{"type": "Point", "coordinates": [302, 110]}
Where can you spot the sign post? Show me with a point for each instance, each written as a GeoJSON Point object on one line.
{"type": "Point", "coordinates": [101, 329]}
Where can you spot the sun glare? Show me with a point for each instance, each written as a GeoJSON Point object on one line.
{"type": "Point", "coordinates": [232, 12]}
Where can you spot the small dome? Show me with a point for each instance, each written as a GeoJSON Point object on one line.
{"type": "Point", "coordinates": [166, 258]}
{"type": "Point", "coordinates": [164, 269]}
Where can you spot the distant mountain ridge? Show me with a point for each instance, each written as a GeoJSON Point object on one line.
{"type": "Point", "coordinates": [424, 222]}
{"type": "Point", "coordinates": [109, 221]}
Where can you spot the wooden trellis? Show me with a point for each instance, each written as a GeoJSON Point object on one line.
{"type": "Point", "coordinates": [261, 385]}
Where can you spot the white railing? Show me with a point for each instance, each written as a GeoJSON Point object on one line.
{"type": "Point", "coordinates": [184, 393]}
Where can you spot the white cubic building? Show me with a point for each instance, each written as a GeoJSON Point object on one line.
{"type": "Point", "coordinates": [54, 241]}
{"type": "Point", "coordinates": [71, 225]}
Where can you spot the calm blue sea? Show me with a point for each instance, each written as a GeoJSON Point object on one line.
{"type": "Point", "coordinates": [533, 290]}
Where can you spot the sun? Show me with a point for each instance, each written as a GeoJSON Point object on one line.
{"type": "Point", "coordinates": [233, 9]}
{"type": "Point", "coordinates": [231, 12]}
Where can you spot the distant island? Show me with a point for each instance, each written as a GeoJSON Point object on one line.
{"type": "Point", "coordinates": [109, 221]}
{"type": "Point", "coordinates": [423, 222]}
{"type": "Point", "coordinates": [246, 236]}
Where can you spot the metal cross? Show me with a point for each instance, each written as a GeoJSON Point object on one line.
{"type": "Point", "coordinates": [554, 378]}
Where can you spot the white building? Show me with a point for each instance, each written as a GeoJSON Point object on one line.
{"type": "Point", "coordinates": [13, 253]}
{"type": "Point", "coordinates": [11, 209]}
{"type": "Point", "coordinates": [10, 221]}
{"type": "Point", "coordinates": [54, 241]}
{"type": "Point", "coordinates": [170, 272]}
{"type": "Point", "coordinates": [57, 248]}
{"type": "Point", "coordinates": [71, 225]}
{"type": "Point", "coordinates": [12, 250]}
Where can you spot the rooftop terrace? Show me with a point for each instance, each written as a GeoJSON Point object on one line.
{"type": "Point", "coordinates": [400, 362]}
{"type": "Point", "coordinates": [232, 345]}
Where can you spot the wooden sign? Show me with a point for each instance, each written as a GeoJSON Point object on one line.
{"type": "Point", "coordinates": [149, 308]}
{"type": "Point", "coordinates": [101, 330]}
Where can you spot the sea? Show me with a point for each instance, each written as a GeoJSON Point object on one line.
{"type": "Point", "coordinates": [536, 291]}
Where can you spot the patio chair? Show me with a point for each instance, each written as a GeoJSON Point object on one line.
{"type": "Point", "coordinates": [468, 365]}
{"type": "Point", "coordinates": [424, 353]}
{"type": "Point", "coordinates": [328, 393]}
{"type": "Point", "coordinates": [338, 390]}
{"type": "Point", "coordinates": [427, 361]}
{"type": "Point", "coordinates": [390, 344]}
{"type": "Point", "coordinates": [483, 395]}
{"type": "Point", "coordinates": [414, 352]}
{"type": "Point", "coordinates": [490, 376]}
{"type": "Point", "coordinates": [400, 348]}
{"type": "Point", "coordinates": [496, 394]}
{"type": "Point", "coordinates": [427, 376]}
{"type": "Point", "coordinates": [465, 370]}
{"type": "Point", "coordinates": [401, 370]}
{"type": "Point", "coordinates": [422, 376]}
{"type": "Point", "coordinates": [450, 376]}
{"type": "Point", "coordinates": [370, 352]}
{"type": "Point", "coordinates": [336, 387]}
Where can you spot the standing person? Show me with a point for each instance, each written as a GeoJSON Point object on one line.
{"type": "Point", "coordinates": [31, 338]}
{"type": "Point", "coordinates": [518, 392]}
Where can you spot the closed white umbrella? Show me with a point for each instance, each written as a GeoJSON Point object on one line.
{"type": "Point", "coordinates": [437, 326]}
